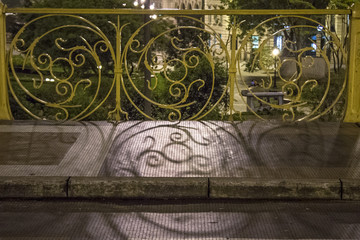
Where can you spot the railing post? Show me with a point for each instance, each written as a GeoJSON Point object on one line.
{"type": "Point", "coordinates": [232, 70]}
{"type": "Point", "coordinates": [118, 75]}
{"type": "Point", "coordinates": [5, 112]}
{"type": "Point", "coordinates": [353, 98]}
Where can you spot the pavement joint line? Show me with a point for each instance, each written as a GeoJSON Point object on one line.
{"type": "Point", "coordinates": [208, 185]}
{"type": "Point", "coordinates": [67, 186]}
{"type": "Point", "coordinates": [341, 189]}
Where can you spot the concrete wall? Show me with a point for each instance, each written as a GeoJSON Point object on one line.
{"type": "Point", "coordinates": [313, 68]}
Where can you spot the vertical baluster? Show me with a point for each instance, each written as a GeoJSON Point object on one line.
{"type": "Point", "coordinates": [118, 71]}
{"type": "Point", "coordinates": [5, 112]}
{"type": "Point", "coordinates": [232, 70]}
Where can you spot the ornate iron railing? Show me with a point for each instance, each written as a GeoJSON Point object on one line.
{"type": "Point", "coordinates": [149, 70]}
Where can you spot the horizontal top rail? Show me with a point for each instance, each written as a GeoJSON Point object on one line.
{"type": "Point", "coordinates": [180, 12]}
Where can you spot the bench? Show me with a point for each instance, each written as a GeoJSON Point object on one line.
{"type": "Point", "coordinates": [263, 95]}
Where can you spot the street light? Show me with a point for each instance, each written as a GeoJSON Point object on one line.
{"type": "Point", "coordinates": [275, 53]}
{"type": "Point", "coordinates": [142, 2]}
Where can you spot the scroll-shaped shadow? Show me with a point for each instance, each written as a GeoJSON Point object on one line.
{"type": "Point", "coordinates": [303, 150]}
{"type": "Point", "coordinates": [179, 220]}
{"type": "Point", "coordinates": [224, 149]}
{"type": "Point", "coordinates": [162, 149]}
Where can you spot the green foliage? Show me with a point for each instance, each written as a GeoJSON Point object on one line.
{"type": "Point", "coordinates": [189, 37]}
{"type": "Point", "coordinates": [82, 99]}
{"type": "Point", "coordinates": [295, 38]}
{"type": "Point", "coordinates": [314, 96]}
{"type": "Point", "coordinates": [72, 35]}
{"type": "Point", "coordinates": [253, 20]}
{"type": "Point", "coordinates": [167, 92]}
{"type": "Point", "coordinates": [264, 60]}
{"type": "Point", "coordinates": [342, 4]}
{"type": "Point", "coordinates": [200, 94]}
{"type": "Point", "coordinates": [18, 62]}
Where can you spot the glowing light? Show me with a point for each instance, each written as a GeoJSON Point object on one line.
{"type": "Point", "coordinates": [152, 6]}
{"type": "Point", "coordinates": [153, 16]}
{"type": "Point", "coordinates": [275, 52]}
{"type": "Point", "coordinates": [136, 4]}
{"type": "Point", "coordinates": [143, 6]}
{"type": "Point", "coordinates": [313, 45]}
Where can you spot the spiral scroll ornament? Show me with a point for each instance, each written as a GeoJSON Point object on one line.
{"type": "Point", "coordinates": [183, 72]}
{"type": "Point", "coordinates": [64, 59]}
{"type": "Point", "coordinates": [305, 70]}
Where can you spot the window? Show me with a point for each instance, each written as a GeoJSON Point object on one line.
{"type": "Point", "coordinates": [278, 40]}
{"type": "Point", "coordinates": [255, 41]}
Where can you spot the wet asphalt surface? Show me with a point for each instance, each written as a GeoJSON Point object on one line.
{"type": "Point", "coordinates": [186, 219]}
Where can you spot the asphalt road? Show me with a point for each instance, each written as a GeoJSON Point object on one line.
{"type": "Point", "coordinates": [179, 220]}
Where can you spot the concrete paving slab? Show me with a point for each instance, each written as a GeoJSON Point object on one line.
{"type": "Point", "coordinates": [203, 149]}
{"type": "Point", "coordinates": [226, 149]}
{"type": "Point", "coordinates": [84, 155]}
{"type": "Point", "coordinates": [350, 189]}
{"type": "Point", "coordinates": [35, 148]}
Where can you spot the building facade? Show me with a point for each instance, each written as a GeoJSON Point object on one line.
{"type": "Point", "coordinates": [214, 23]}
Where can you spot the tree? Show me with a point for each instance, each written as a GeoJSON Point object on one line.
{"type": "Point", "coordinates": [336, 54]}
{"type": "Point", "coordinates": [342, 4]}
{"type": "Point", "coordinates": [294, 35]}
{"type": "Point", "coordinates": [76, 37]}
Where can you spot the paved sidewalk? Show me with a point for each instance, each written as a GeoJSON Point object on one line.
{"type": "Point", "coordinates": [259, 153]}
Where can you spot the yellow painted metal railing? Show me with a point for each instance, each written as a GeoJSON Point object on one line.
{"type": "Point", "coordinates": [170, 91]}
{"type": "Point", "coordinates": [353, 105]}
{"type": "Point", "coordinates": [5, 112]}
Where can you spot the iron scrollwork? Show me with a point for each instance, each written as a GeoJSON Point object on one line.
{"type": "Point", "coordinates": [50, 71]}
{"type": "Point", "coordinates": [162, 68]}
{"type": "Point", "coordinates": [297, 83]}
{"type": "Point", "coordinates": [170, 73]}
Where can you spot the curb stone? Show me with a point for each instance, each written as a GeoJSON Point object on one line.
{"type": "Point", "coordinates": [351, 189]}
{"type": "Point", "coordinates": [144, 187]}
{"type": "Point", "coordinates": [253, 188]}
{"type": "Point", "coordinates": [178, 188]}
{"type": "Point", "coordinates": [33, 187]}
